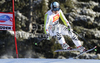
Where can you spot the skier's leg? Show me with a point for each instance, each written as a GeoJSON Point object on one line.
{"type": "Point", "coordinates": [74, 38]}
{"type": "Point", "coordinates": [71, 35]}
{"type": "Point", "coordinates": [61, 40]}
{"type": "Point", "coordinates": [77, 43]}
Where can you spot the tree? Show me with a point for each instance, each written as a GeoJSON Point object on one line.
{"type": "Point", "coordinates": [30, 15]}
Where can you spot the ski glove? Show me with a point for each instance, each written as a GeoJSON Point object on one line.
{"type": "Point", "coordinates": [48, 37]}
{"type": "Point", "coordinates": [69, 29]}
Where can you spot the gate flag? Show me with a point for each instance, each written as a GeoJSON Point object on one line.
{"type": "Point", "coordinates": [6, 21]}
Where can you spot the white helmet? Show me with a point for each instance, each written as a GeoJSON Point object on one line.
{"type": "Point", "coordinates": [55, 6]}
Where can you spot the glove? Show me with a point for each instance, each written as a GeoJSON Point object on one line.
{"type": "Point", "coordinates": [48, 37]}
{"type": "Point", "coordinates": [69, 29]}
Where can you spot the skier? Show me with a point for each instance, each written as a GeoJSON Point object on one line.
{"type": "Point", "coordinates": [53, 28]}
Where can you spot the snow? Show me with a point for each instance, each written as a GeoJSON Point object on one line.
{"type": "Point", "coordinates": [34, 60]}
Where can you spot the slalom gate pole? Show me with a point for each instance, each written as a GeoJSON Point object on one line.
{"type": "Point", "coordinates": [14, 29]}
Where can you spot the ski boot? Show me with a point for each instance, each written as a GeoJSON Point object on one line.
{"type": "Point", "coordinates": [81, 49]}
{"type": "Point", "coordinates": [65, 46]}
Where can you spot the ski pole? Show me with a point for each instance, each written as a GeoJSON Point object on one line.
{"type": "Point", "coordinates": [39, 40]}
{"type": "Point", "coordinates": [41, 37]}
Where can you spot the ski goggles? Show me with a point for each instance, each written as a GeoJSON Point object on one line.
{"type": "Point", "coordinates": [56, 9]}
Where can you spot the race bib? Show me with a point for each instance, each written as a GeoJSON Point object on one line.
{"type": "Point", "coordinates": [56, 17]}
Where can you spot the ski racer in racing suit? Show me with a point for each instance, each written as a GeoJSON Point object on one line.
{"type": "Point", "coordinates": [53, 28]}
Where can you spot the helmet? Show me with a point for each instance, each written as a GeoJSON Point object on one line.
{"type": "Point", "coordinates": [55, 6]}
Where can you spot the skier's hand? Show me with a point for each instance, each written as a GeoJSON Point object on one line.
{"type": "Point", "coordinates": [48, 37]}
{"type": "Point", "coordinates": [69, 29]}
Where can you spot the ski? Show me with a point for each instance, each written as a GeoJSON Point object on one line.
{"type": "Point", "coordinates": [66, 50]}
{"type": "Point", "coordinates": [86, 52]}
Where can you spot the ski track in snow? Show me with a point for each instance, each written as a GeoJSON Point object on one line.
{"type": "Point", "coordinates": [34, 60]}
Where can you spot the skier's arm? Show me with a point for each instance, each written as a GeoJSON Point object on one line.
{"type": "Point", "coordinates": [46, 23]}
{"type": "Point", "coordinates": [65, 21]}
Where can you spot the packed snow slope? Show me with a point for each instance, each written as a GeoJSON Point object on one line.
{"type": "Point", "coordinates": [32, 60]}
